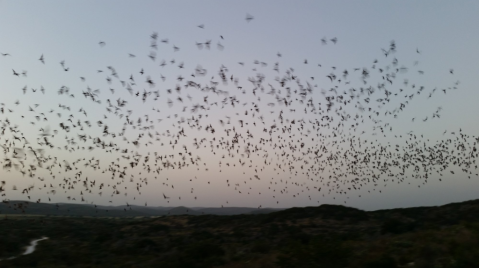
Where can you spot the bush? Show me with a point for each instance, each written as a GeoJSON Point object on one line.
{"type": "Point", "coordinates": [158, 228]}
{"type": "Point", "coordinates": [202, 235]}
{"type": "Point", "coordinates": [318, 253]}
{"type": "Point", "coordinates": [146, 243]}
{"type": "Point", "coordinates": [396, 226]}
{"type": "Point", "coordinates": [261, 247]}
{"type": "Point", "coordinates": [273, 230]}
{"type": "Point", "coordinates": [384, 261]}
{"type": "Point", "coordinates": [203, 250]}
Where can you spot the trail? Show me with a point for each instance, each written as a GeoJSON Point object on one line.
{"type": "Point", "coordinates": [29, 249]}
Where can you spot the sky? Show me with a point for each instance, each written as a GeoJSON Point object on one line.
{"type": "Point", "coordinates": [112, 46]}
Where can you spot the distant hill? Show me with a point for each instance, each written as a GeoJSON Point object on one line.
{"type": "Point", "coordinates": [446, 214]}
{"type": "Point", "coordinates": [234, 210]}
{"type": "Point", "coordinates": [264, 210]}
{"type": "Point", "coordinates": [68, 209]}
{"type": "Point", "coordinates": [183, 211]}
{"type": "Point", "coordinates": [63, 209]}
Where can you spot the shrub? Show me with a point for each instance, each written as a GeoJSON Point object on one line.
{"type": "Point", "coordinates": [261, 247]}
{"type": "Point", "coordinates": [158, 228]}
{"type": "Point", "coordinates": [385, 261]}
{"type": "Point", "coordinates": [203, 250]}
{"type": "Point", "coordinates": [396, 226]}
{"type": "Point", "coordinates": [318, 253]}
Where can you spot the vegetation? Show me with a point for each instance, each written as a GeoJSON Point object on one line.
{"type": "Point", "coordinates": [325, 236]}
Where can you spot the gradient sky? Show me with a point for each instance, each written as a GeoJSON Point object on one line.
{"type": "Point", "coordinates": [443, 32]}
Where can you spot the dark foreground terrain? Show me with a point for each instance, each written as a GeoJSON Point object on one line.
{"type": "Point", "coordinates": [325, 236]}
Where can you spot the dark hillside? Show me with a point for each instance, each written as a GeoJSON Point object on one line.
{"type": "Point", "coordinates": [324, 236]}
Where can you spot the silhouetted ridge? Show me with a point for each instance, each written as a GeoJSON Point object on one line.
{"type": "Point", "coordinates": [333, 212]}
{"type": "Point", "coordinates": [183, 211]}
{"type": "Point", "coordinates": [442, 215]}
